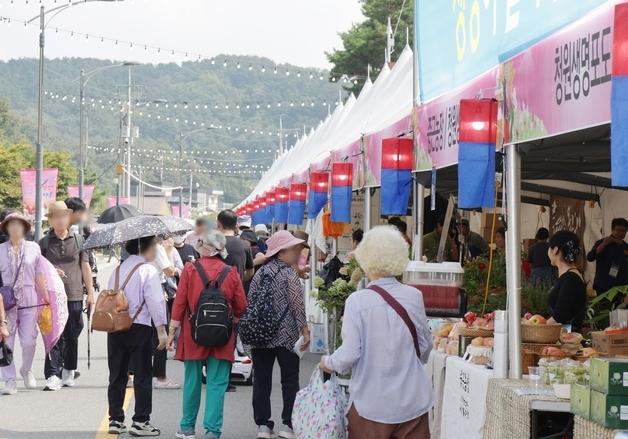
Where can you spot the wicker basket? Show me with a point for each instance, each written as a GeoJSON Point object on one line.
{"type": "Point", "coordinates": [476, 332]}
{"type": "Point", "coordinates": [541, 333]}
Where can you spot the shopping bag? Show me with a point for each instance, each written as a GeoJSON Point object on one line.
{"type": "Point", "coordinates": [45, 320]}
{"type": "Point", "coordinates": [319, 410]}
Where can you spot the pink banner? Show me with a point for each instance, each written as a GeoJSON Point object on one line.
{"type": "Point", "coordinates": [49, 188]}
{"type": "Point", "coordinates": [88, 193]}
{"type": "Point", "coordinates": [185, 210]}
{"type": "Point", "coordinates": [562, 83]}
{"type": "Point", "coordinates": [438, 123]}
{"type": "Point", "coordinates": [111, 200]}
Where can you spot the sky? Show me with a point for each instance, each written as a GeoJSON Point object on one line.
{"type": "Point", "coordinates": [287, 31]}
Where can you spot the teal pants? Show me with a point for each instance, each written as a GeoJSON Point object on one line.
{"type": "Point", "coordinates": [218, 373]}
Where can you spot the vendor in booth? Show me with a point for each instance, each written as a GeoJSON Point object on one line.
{"type": "Point", "coordinates": [568, 297]}
{"type": "Point", "coordinates": [611, 258]}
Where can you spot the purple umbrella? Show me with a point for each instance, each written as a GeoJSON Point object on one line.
{"type": "Point", "coordinates": [58, 303]}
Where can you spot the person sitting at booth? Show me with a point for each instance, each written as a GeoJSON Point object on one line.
{"type": "Point", "coordinates": [474, 244]}
{"type": "Point", "coordinates": [568, 298]}
{"type": "Point", "coordinates": [431, 241]}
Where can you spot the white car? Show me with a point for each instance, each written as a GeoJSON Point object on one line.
{"type": "Point", "coordinates": [242, 368]}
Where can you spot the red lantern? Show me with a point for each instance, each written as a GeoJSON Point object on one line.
{"type": "Point", "coordinates": [397, 153]}
{"type": "Point", "coordinates": [319, 181]}
{"type": "Point", "coordinates": [298, 191]}
{"type": "Point", "coordinates": [478, 121]}
{"type": "Point", "coordinates": [282, 194]}
{"type": "Point", "coordinates": [342, 174]}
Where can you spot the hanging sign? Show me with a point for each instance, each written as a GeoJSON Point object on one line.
{"type": "Point", "coordinates": [88, 192]}
{"type": "Point", "coordinates": [49, 188]}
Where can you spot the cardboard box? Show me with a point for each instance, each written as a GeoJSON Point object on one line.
{"type": "Point", "coordinates": [610, 376]}
{"type": "Point", "coordinates": [610, 411]}
{"type": "Point", "coordinates": [581, 400]}
{"type": "Point", "coordinates": [611, 344]}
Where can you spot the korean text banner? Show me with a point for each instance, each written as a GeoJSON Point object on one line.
{"type": "Point", "coordinates": [49, 188]}
{"type": "Point", "coordinates": [458, 40]}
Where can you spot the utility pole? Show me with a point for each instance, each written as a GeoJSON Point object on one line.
{"type": "Point", "coordinates": [191, 181]}
{"type": "Point", "coordinates": [39, 153]}
{"type": "Point", "coordinates": [129, 135]}
{"type": "Point", "coordinates": [82, 135]}
{"type": "Point", "coordinates": [280, 136]}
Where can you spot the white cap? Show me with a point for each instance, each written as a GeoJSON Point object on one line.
{"type": "Point", "coordinates": [244, 221]}
{"type": "Point", "coordinates": [261, 229]}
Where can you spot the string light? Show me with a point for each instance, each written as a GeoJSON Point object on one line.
{"type": "Point", "coordinates": [314, 74]}
{"type": "Point", "coordinates": [118, 149]}
{"type": "Point", "coordinates": [238, 172]}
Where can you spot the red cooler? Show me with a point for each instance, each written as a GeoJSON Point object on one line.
{"type": "Point", "coordinates": [441, 286]}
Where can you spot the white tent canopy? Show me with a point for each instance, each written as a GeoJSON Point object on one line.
{"type": "Point", "coordinates": [378, 106]}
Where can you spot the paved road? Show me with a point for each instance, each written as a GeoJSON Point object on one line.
{"type": "Point", "coordinates": [81, 412]}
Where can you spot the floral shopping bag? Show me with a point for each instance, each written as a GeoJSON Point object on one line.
{"type": "Point", "coordinates": [319, 409]}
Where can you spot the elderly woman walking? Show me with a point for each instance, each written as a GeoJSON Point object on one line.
{"type": "Point", "coordinates": [218, 359]}
{"type": "Point", "coordinates": [278, 281]}
{"type": "Point", "coordinates": [18, 262]}
{"type": "Point", "coordinates": [385, 342]}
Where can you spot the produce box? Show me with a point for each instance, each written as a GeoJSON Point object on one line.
{"type": "Point", "coordinates": [609, 410]}
{"type": "Point", "coordinates": [581, 400]}
{"type": "Point", "coordinates": [610, 376]}
{"type": "Point", "coordinates": [611, 344]}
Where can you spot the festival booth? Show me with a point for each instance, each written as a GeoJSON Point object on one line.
{"type": "Point", "coordinates": [516, 125]}
{"type": "Point", "coordinates": [554, 153]}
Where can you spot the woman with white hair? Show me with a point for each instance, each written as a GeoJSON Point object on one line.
{"type": "Point", "coordinates": [211, 247]}
{"type": "Point", "coordinates": [385, 342]}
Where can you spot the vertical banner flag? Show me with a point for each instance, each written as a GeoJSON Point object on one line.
{"type": "Point", "coordinates": [255, 212]}
{"type": "Point", "coordinates": [396, 175]}
{"type": "Point", "coordinates": [281, 204]}
{"type": "Point", "coordinates": [476, 153]}
{"type": "Point", "coordinates": [111, 201]}
{"type": "Point", "coordinates": [49, 188]}
{"type": "Point", "coordinates": [296, 205]}
{"type": "Point", "coordinates": [619, 98]}
{"type": "Point", "coordinates": [271, 197]}
{"type": "Point", "coordinates": [263, 209]}
{"type": "Point", "coordinates": [341, 189]}
{"type": "Point", "coordinates": [319, 186]}
{"type": "Point", "coordinates": [185, 210]}
{"type": "Point", "coordinates": [88, 193]}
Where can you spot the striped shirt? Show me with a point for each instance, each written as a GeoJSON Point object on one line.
{"type": "Point", "coordinates": [287, 291]}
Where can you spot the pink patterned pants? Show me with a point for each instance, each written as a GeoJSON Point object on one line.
{"type": "Point", "coordinates": [22, 323]}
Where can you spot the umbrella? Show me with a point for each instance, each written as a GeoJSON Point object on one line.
{"type": "Point", "coordinates": [58, 303]}
{"type": "Point", "coordinates": [117, 213]}
{"type": "Point", "coordinates": [134, 228]}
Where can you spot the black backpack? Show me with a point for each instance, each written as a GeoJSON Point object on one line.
{"type": "Point", "coordinates": [211, 321]}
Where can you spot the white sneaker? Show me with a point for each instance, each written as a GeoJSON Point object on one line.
{"type": "Point", "coordinates": [67, 378]}
{"type": "Point", "coordinates": [264, 432]}
{"type": "Point", "coordinates": [53, 383]}
{"type": "Point", "coordinates": [168, 384]}
{"type": "Point", "coordinates": [10, 388]}
{"type": "Point", "coordinates": [29, 379]}
{"type": "Point", "coordinates": [286, 432]}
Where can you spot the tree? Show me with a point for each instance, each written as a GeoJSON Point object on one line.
{"type": "Point", "coordinates": [365, 43]}
{"type": "Point", "coordinates": [12, 160]}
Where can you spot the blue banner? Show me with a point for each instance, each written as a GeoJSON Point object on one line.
{"type": "Point", "coordinates": [296, 209]}
{"type": "Point", "coordinates": [341, 204]}
{"type": "Point", "coordinates": [476, 175]}
{"type": "Point", "coordinates": [458, 40]}
{"type": "Point", "coordinates": [619, 131]}
{"type": "Point", "coordinates": [395, 191]}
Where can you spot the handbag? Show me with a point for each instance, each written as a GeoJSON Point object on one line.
{"type": "Point", "coordinates": [319, 409]}
{"type": "Point", "coordinates": [401, 311]}
{"type": "Point", "coordinates": [6, 355]}
{"type": "Point", "coordinates": [7, 293]}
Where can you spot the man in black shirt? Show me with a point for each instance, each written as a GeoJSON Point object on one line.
{"type": "Point", "coordinates": [611, 258]}
{"type": "Point", "coordinates": [186, 251]}
{"type": "Point", "coordinates": [239, 251]}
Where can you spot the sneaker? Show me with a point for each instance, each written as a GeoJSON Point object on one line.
{"type": "Point", "coordinates": [286, 432]}
{"type": "Point", "coordinates": [143, 429]}
{"type": "Point", "coordinates": [188, 434]}
{"type": "Point", "coordinates": [67, 378]}
{"type": "Point", "coordinates": [10, 388]}
{"type": "Point", "coordinates": [168, 384]}
{"type": "Point", "coordinates": [265, 432]}
{"type": "Point", "coordinates": [117, 427]}
{"type": "Point", "coordinates": [53, 383]}
{"type": "Point", "coordinates": [29, 379]}
{"type": "Point", "coordinates": [211, 435]}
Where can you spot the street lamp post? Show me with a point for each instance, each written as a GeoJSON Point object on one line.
{"type": "Point", "coordinates": [182, 137]}
{"type": "Point", "coordinates": [39, 150]}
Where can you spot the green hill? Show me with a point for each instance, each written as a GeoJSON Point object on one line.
{"type": "Point", "coordinates": [196, 88]}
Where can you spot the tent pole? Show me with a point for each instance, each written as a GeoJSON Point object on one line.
{"type": "Point", "coordinates": [513, 257]}
{"type": "Point", "coordinates": [367, 209]}
{"type": "Point", "coordinates": [419, 218]}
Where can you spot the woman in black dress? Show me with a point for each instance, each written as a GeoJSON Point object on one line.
{"type": "Point", "coordinates": [568, 297]}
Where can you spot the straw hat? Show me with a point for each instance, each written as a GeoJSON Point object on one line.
{"type": "Point", "coordinates": [57, 208]}
{"type": "Point", "coordinates": [281, 241]}
{"type": "Point", "coordinates": [15, 216]}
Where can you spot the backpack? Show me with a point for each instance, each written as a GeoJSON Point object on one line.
{"type": "Point", "coordinates": [211, 321]}
{"type": "Point", "coordinates": [45, 242]}
{"type": "Point", "coordinates": [260, 323]}
{"type": "Point", "coordinates": [111, 313]}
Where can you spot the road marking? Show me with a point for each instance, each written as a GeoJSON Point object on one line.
{"type": "Point", "coordinates": [103, 429]}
